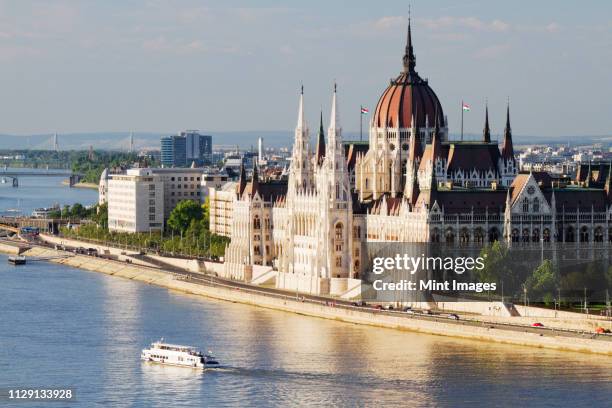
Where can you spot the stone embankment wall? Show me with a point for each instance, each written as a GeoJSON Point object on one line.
{"type": "Point", "coordinates": [322, 310]}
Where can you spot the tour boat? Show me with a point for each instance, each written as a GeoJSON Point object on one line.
{"type": "Point", "coordinates": [176, 355]}
{"type": "Point", "coordinates": [17, 260]}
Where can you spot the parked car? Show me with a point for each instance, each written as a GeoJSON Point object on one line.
{"type": "Point", "coordinates": [601, 330]}
{"type": "Point", "coordinates": [453, 316]}
{"type": "Point", "coordinates": [389, 307]}
{"type": "Point", "coordinates": [378, 307]}
{"type": "Point", "coordinates": [537, 324]}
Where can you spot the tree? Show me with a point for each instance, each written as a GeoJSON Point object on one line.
{"type": "Point", "coordinates": [543, 281]}
{"type": "Point", "coordinates": [182, 215]}
{"type": "Point", "coordinates": [206, 213]}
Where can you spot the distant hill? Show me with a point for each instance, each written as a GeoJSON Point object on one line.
{"type": "Point", "coordinates": [244, 139]}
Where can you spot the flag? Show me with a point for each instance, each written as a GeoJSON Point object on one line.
{"type": "Point", "coordinates": [364, 110]}
{"type": "Point", "coordinates": [466, 107]}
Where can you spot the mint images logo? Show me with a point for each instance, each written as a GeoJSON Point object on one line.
{"type": "Point", "coordinates": [413, 264]}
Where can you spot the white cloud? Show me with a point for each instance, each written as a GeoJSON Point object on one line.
{"type": "Point", "coordinates": [492, 52]}
{"type": "Point", "coordinates": [388, 22]}
{"type": "Point", "coordinates": [472, 23]}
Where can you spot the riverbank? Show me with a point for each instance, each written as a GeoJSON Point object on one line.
{"type": "Point", "coordinates": [81, 184]}
{"type": "Point", "coordinates": [500, 333]}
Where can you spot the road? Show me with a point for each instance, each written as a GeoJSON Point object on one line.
{"type": "Point", "coordinates": [211, 280]}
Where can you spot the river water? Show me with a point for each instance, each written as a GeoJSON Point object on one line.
{"type": "Point", "coordinates": [63, 327]}
{"type": "Point", "coordinates": [45, 191]}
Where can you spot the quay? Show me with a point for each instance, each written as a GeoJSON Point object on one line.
{"type": "Point", "coordinates": [316, 306]}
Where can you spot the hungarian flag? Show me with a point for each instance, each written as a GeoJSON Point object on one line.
{"type": "Point", "coordinates": [466, 107]}
{"type": "Point", "coordinates": [364, 110]}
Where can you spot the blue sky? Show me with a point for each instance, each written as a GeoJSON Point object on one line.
{"type": "Point", "coordinates": [161, 65]}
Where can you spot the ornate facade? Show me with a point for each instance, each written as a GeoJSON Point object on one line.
{"type": "Point", "coordinates": [413, 184]}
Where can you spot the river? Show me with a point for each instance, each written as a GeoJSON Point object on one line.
{"type": "Point", "coordinates": [63, 327]}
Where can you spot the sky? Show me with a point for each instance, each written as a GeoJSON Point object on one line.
{"type": "Point", "coordinates": [162, 65]}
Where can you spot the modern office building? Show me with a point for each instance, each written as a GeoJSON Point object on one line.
{"type": "Point", "coordinates": [135, 201]}
{"type": "Point", "coordinates": [198, 147]}
{"type": "Point", "coordinates": [174, 151]}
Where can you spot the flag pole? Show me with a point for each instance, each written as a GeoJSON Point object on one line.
{"type": "Point", "coordinates": [462, 120]}
{"type": "Point", "coordinates": [361, 123]}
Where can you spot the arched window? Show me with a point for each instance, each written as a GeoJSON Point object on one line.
{"type": "Point", "coordinates": [598, 234]}
{"type": "Point", "coordinates": [546, 235]}
{"type": "Point", "coordinates": [525, 235]}
{"type": "Point", "coordinates": [570, 236]}
{"type": "Point", "coordinates": [525, 205]}
{"type": "Point", "coordinates": [338, 261]}
{"type": "Point", "coordinates": [584, 234]}
{"type": "Point", "coordinates": [450, 236]}
{"type": "Point", "coordinates": [535, 235]}
{"type": "Point", "coordinates": [256, 222]}
{"type": "Point", "coordinates": [339, 234]}
{"type": "Point", "coordinates": [493, 235]}
{"type": "Point", "coordinates": [536, 205]}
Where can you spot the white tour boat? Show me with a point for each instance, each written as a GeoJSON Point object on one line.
{"type": "Point", "coordinates": [176, 355]}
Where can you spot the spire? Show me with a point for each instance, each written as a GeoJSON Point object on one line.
{"type": "Point", "coordinates": [508, 149]}
{"type": "Point", "coordinates": [608, 185]}
{"type": "Point", "coordinates": [436, 148]}
{"type": "Point", "coordinates": [334, 122]}
{"type": "Point", "coordinates": [255, 180]}
{"type": "Point", "coordinates": [412, 185]}
{"type": "Point", "coordinates": [334, 132]}
{"type": "Point", "coordinates": [587, 180]}
{"type": "Point", "coordinates": [242, 180]}
{"type": "Point", "coordinates": [300, 121]}
{"type": "Point", "coordinates": [409, 58]}
{"type": "Point", "coordinates": [414, 144]}
{"type": "Point", "coordinates": [320, 152]}
{"type": "Point", "coordinates": [486, 133]}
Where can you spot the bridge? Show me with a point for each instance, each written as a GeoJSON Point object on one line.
{"type": "Point", "coordinates": [14, 175]}
{"type": "Point", "coordinates": [49, 225]}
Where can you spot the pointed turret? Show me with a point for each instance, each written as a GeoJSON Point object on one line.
{"type": "Point", "coordinates": [255, 180]}
{"type": "Point", "coordinates": [486, 133]}
{"type": "Point", "coordinates": [301, 124]}
{"type": "Point", "coordinates": [412, 185]}
{"type": "Point", "coordinates": [334, 133]}
{"type": "Point", "coordinates": [300, 175]}
{"type": "Point", "coordinates": [587, 180]}
{"type": "Point", "coordinates": [436, 147]}
{"type": "Point", "coordinates": [242, 181]}
{"type": "Point", "coordinates": [320, 152]}
{"type": "Point", "coordinates": [508, 149]}
{"type": "Point", "coordinates": [608, 184]}
{"type": "Point", "coordinates": [409, 59]}
{"type": "Point", "coordinates": [414, 144]}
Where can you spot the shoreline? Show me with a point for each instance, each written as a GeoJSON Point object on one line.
{"type": "Point", "coordinates": [81, 184]}
{"type": "Point", "coordinates": [288, 303]}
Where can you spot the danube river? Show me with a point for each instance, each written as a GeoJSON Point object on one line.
{"type": "Point", "coordinates": [61, 327]}
{"type": "Point", "coordinates": [36, 192]}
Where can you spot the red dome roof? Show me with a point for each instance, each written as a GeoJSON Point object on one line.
{"type": "Point", "coordinates": [406, 96]}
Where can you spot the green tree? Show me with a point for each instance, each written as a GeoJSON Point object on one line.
{"type": "Point", "coordinates": [182, 215]}
{"type": "Point", "coordinates": [543, 281]}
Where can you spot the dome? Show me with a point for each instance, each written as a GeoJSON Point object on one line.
{"type": "Point", "coordinates": [408, 95]}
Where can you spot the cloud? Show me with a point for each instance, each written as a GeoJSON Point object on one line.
{"type": "Point", "coordinates": [388, 22]}
{"type": "Point", "coordinates": [492, 52]}
{"type": "Point", "coordinates": [472, 23]}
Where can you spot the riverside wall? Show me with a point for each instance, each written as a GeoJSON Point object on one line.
{"type": "Point", "coordinates": [351, 315]}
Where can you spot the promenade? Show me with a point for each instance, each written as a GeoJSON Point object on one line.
{"type": "Point", "coordinates": [472, 327]}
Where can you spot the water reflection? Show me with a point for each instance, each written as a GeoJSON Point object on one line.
{"type": "Point", "coordinates": [94, 327]}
